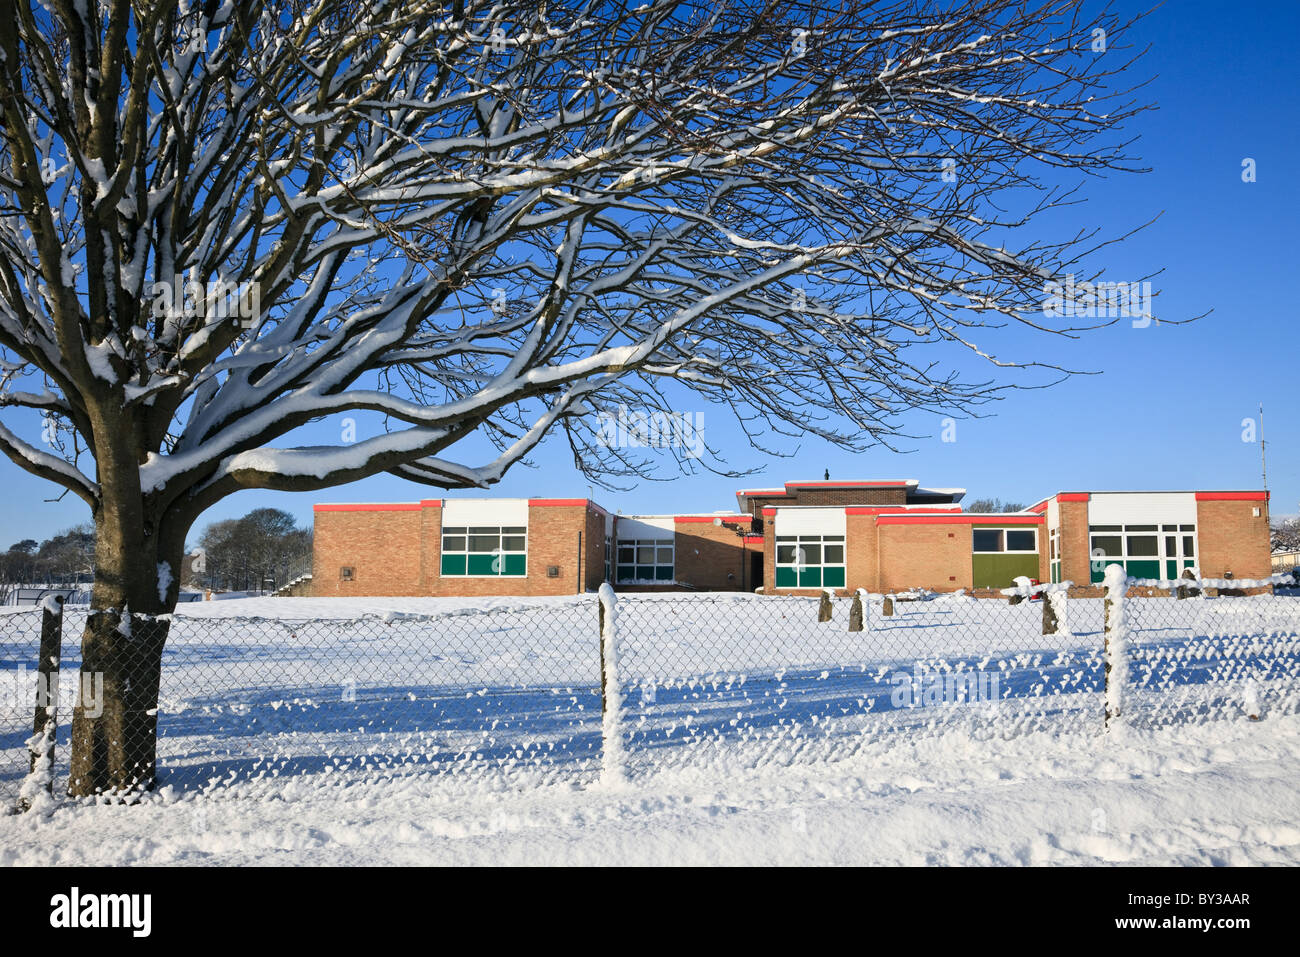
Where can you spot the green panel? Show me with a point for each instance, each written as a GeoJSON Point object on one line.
{"type": "Point", "coordinates": [515, 565]}
{"type": "Point", "coordinates": [1142, 568]}
{"type": "Point", "coordinates": [453, 564]}
{"type": "Point", "coordinates": [1098, 571]}
{"type": "Point", "coordinates": [483, 564]}
{"type": "Point", "coordinates": [1001, 570]}
{"type": "Point", "coordinates": [810, 577]}
{"type": "Point", "coordinates": [833, 577]}
{"type": "Point", "coordinates": [785, 576]}
{"type": "Point", "coordinates": [1171, 569]}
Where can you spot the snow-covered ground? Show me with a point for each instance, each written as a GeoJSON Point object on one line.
{"type": "Point", "coordinates": [1219, 793]}
{"type": "Point", "coordinates": [332, 723]}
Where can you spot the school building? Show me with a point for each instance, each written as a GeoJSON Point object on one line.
{"type": "Point", "coordinates": [884, 536]}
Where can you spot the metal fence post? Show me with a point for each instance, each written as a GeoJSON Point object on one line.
{"type": "Point", "coordinates": [1051, 624]}
{"type": "Point", "coordinates": [613, 764]}
{"type": "Point", "coordinates": [1116, 644]}
{"type": "Point", "coordinates": [824, 608]}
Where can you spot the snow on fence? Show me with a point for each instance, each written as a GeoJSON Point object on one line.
{"type": "Point", "coordinates": [605, 687]}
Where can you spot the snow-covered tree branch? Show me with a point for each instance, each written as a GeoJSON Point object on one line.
{"type": "Point", "coordinates": [225, 221]}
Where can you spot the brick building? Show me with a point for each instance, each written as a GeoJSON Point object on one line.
{"type": "Point", "coordinates": [879, 535]}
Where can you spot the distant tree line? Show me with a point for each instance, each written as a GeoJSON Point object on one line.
{"type": "Point", "coordinates": [994, 505]}
{"type": "Point", "coordinates": [264, 549]}
{"type": "Point", "coordinates": [237, 554]}
{"type": "Point", "coordinates": [65, 559]}
{"type": "Point", "coordinates": [1286, 535]}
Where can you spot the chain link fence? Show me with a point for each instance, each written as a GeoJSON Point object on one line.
{"type": "Point", "coordinates": [512, 692]}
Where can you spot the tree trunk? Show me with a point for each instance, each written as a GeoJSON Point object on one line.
{"type": "Point", "coordinates": [114, 738]}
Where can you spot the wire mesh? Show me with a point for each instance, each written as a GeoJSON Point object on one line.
{"type": "Point", "coordinates": [511, 692]}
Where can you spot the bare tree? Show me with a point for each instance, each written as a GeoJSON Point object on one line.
{"type": "Point", "coordinates": [462, 218]}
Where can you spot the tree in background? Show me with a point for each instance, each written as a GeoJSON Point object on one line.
{"type": "Point", "coordinates": [494, 221]}
{"type": "Point", "coordinates": [994, 505]}
{"type": "Point", "coordinates": [241, 554]}
{"type": "Point", "coordinates": [1286, 535]}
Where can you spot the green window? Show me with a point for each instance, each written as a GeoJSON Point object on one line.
{"type": "Point", "coordinates": [484, 551]}
{"type": "Point", "coordinates": [1145, 551]}
{"type": "Point", "coordinates": [644, 560]}
{"type": "Point", "coordinates": [810, 561]}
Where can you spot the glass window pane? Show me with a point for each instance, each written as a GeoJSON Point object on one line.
{"type": "Point", "coordinates": [485, 530]}
{"type": "Point", "coordinates": [1187, 528]}
{"type": "Point", "coordinates": [453, 543]}
{"type": "Point", "coordinates": [1140, 528]}
{"type": "Point", "coordinates": [988, 540]}
{"type": "Point", "coordinates": [1143, 545]}
{"type": "Point", "coordinates": [833, 577]}
{"type": "Point", "coordinates": [645, 554]}
{"type": "Point", "coordinates": [514, 565]}
{"type": "Point", "coordinates": [810, 554]}
{"type": "Point", "coordinates": [834, 555]}
{"type": "Point", "coordinates": [1189, 548]}
{"type": "Point", "coordinates": [664, 573]}
{"type": "Point", "coordinates": [787, 538]}
{"type": "Point", "coordinates": [626, 573]}
{"type": "Point", "coordinates": [512, 543]}
{"type": "Point", "coordinates": [832, 538]}
{"type": "Point", "coordinates": [664, 554]}
{"type": "Point", "coordinates": [1104, 528]}
{"type": "Point", "coordinates": [453, 564]}
{"type": "Point", "coordinates": [785, 554]}
{"type": "Point", "coordinates": [626, 554]}
{"type": "Point", "coordinates": [1111, 545]}
{"type": "Point", "coordinates": [482, 564]}
{"type": "Point", "coordinates": [1020, 540]}
{"type": "Point", "coordinates": [484, 543]}
{"type": "Point", "coordinates": [515, 530]}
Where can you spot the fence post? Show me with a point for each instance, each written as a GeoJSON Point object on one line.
{"type": "Point", "coordinates": [824, 606]}
{"type": "Point", "coordinates": [40, 775]}
{"type": "Point", "coordinates": [1116, 648]}
{"type": "Point", "coordinates": [1051, 621]}
{"type": "Point", "coordinates": [887, 606]}
{"type": "Point", "coordinates": [1186, 591]}
{"type": "Point", "coordinates": [858, 611]}
{"type": "Point", "coordinates": [613, 770]}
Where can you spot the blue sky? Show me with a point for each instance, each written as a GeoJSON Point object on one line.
{"type": "Point", "coordinates": [1165, 410]}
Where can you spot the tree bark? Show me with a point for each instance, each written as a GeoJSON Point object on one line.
{"type": "Point", "coordinates": [114, 738]}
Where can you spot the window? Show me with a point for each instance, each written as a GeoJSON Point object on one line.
{"type": "Point", "coordinates": [810, 561]}
{"type": "Point", "coordinates": [645, 560]}
{"type": "Point", "coordinates": [1145, 551]}
{"type": "Point", "coordinates": [1054, 541]}
{"type": "Point", "coordinates": [1005, 540]}
{"type": "Point", "coordinates": [485, 551]}
{"type": "Point", "coordinates": [346, 573]}
{"type": "Point", "coordinates": [609, 558]}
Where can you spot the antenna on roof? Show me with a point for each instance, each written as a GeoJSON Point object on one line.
{"type": "Point", "coordinates": [1263, 459]}
{"type": "Point", "coordinates": [828, 475]}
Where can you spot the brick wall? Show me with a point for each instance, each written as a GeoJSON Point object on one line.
{"type": "Point", "coordinates": [861, 553]}
{"type": "Point", "coordinates": [1075, 555]}
{"type": "Point", "coordinates": [382, 545]}
{"type": "Point", "coordinates": [927, 555]}
{"type": "Point", "coordinates": [1229, 538]}
{"type": "Point", "coordinates": [709, 557]}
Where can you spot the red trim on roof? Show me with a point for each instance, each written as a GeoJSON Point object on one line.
{"type": "Point", "coordinates": [1040, 507]}
{"type": "Point", "coordinates": [762, 491]}
{"type": "Point", "coordinates": [738, 519]}
{"type": "Point", "coordinates": [903, 484]}
{"type": "Point", "coordinates": [769, 511]}
{"type": "Point", "coordinates": [1073, 496]}
{"type": "Point", "coordinates": [753, 539]}
{"type": "Point", "coordinates": [543, 502]}
{"type": "Point", "coordinates": [966, 518]}
{"type": "Point", "coordinates": [430, 503]}
{"type": "Point", "coordinates": [368, 507]}
{"type": "Point", "coordinates": [897, 509]}
{"type": "Point", "coordinates": [1232, 496]}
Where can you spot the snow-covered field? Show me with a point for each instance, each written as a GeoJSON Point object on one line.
{"type": "Point", "coordinates": [336, 721]}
